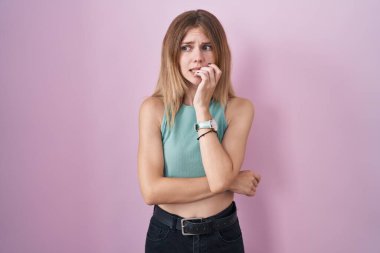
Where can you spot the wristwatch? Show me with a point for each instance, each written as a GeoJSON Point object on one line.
{"type": "Point", "coordinates": [209, 124]}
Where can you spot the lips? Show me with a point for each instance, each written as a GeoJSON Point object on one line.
{"type": "Point", "coordinates": [194, 69]}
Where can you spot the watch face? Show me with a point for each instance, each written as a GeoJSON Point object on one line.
{"type": "Point", "coordinates": [206, 125]}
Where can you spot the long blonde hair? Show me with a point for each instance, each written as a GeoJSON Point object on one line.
{"type": "Point", "coordinates": [171, 85]}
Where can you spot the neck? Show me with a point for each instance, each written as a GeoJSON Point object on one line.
{"type": "Point", "coordinates": [189, 96]}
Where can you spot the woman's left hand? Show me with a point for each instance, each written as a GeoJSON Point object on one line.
{"type": "Point", "coordinates": [246, 183]}
{"type": "Point", "coordinates": [210, 76]}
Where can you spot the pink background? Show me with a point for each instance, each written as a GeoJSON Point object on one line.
{"type": "Point", "coordinates": [73, 75]}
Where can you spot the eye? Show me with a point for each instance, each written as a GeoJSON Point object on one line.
{"type": "Point", "coordinates": [207, 47]}
{"type": "Point", "coordinates": [185, 48]}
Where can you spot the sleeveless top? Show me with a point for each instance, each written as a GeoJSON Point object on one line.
{"type": "Point", "coordinates": [182, 155]}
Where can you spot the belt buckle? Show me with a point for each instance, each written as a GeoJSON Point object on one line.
{"type": "Point", "coordinates": [183, 225]}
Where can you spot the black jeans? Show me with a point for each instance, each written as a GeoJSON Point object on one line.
{"type": "Point", "coordinates": [162, 238]}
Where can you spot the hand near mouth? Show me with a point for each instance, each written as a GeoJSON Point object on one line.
{"type": "Point", "coordinates": [210, 76]}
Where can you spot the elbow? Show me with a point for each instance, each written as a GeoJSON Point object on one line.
{"type": "Point", "coordinates": [219, 186]}
{"type": "Point", "coordinates": [149, 201]}
{"type": "Point", "coordinates": [149, 197]}
{"type": "Point", "coordinates": [217, 189]}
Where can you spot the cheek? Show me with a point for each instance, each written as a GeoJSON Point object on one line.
{"type": "Point", "coordinates": [211, 57]}
{"type": "Point", "coordinates": [183, 67]}
{"type": "Point", "coordinates": [181, 64]}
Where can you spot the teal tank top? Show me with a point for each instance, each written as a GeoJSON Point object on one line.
{"type": "Point", "coordinates": [182, 155]}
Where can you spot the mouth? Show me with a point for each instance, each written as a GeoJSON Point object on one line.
{"type": "Point", "coordinates": [193, 70]}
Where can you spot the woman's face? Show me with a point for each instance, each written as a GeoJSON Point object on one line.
{"type": "Point", "coordinates": [196, 52]}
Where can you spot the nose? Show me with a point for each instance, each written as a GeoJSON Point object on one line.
{"type": "Point", "coordinates": [198, 55]}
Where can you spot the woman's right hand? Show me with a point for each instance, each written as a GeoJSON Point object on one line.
{"type": "Point", "coordinates": [246, 182]}
{"type": "Point", "coordinates": [210, 76]}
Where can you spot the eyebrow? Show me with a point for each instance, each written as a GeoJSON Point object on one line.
{"type": "Point", "coordinates": [192, 42]}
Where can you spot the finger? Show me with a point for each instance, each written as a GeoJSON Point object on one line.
{"type": "Point", "coordinates": [258, 178]}
{"type": "Point", "coordinates": [254, 180]}
{"type": "Point", "coordinates": [212, 76]}
{"type": "Point", "coordinates": [253, 189]}
{"type": "Point", "coordinates": [218, 72]}
{"type": "Point", "coordinates": [202, 76]}
{"type": "Point", "coordinates": [210, 72]}
{"type": "Point", "coordinates": [216, 68]}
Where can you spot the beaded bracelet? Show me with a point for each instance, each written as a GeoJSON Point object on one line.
{"type": "Point", "coordinates": [212, 130]}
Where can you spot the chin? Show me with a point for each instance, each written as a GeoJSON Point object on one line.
{"type": "Point", "coordinates": [194, 81]}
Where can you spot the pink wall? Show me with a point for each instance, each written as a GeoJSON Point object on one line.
{"type": "Point", "coordinates": [73, 75]}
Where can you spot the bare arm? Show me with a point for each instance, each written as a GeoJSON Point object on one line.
{"type": "Point", "coordinates": [222, 161]}
{"type": "Point", "coordinates": [155, 188]}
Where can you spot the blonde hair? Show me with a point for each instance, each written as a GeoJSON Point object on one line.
{"type": "Point", "coordinates": [171, 85]}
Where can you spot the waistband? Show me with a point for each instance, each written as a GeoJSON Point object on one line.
{"type": "Point", "coordinates": [197, 226]}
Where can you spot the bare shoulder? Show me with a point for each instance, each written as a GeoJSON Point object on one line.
{"type": "Point", "coordinates": [239, 107]}
{"type": "Point", "coordinates": [152, 109]}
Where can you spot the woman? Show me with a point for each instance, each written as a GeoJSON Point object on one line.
{"type": "Point", "coordinates": [193, 134]}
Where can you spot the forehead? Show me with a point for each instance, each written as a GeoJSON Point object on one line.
{"type": "Point", "coordinates": [196, 35]}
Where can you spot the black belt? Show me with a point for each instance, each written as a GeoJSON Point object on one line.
{"type": "Point", "coordinates": [194, 226]}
